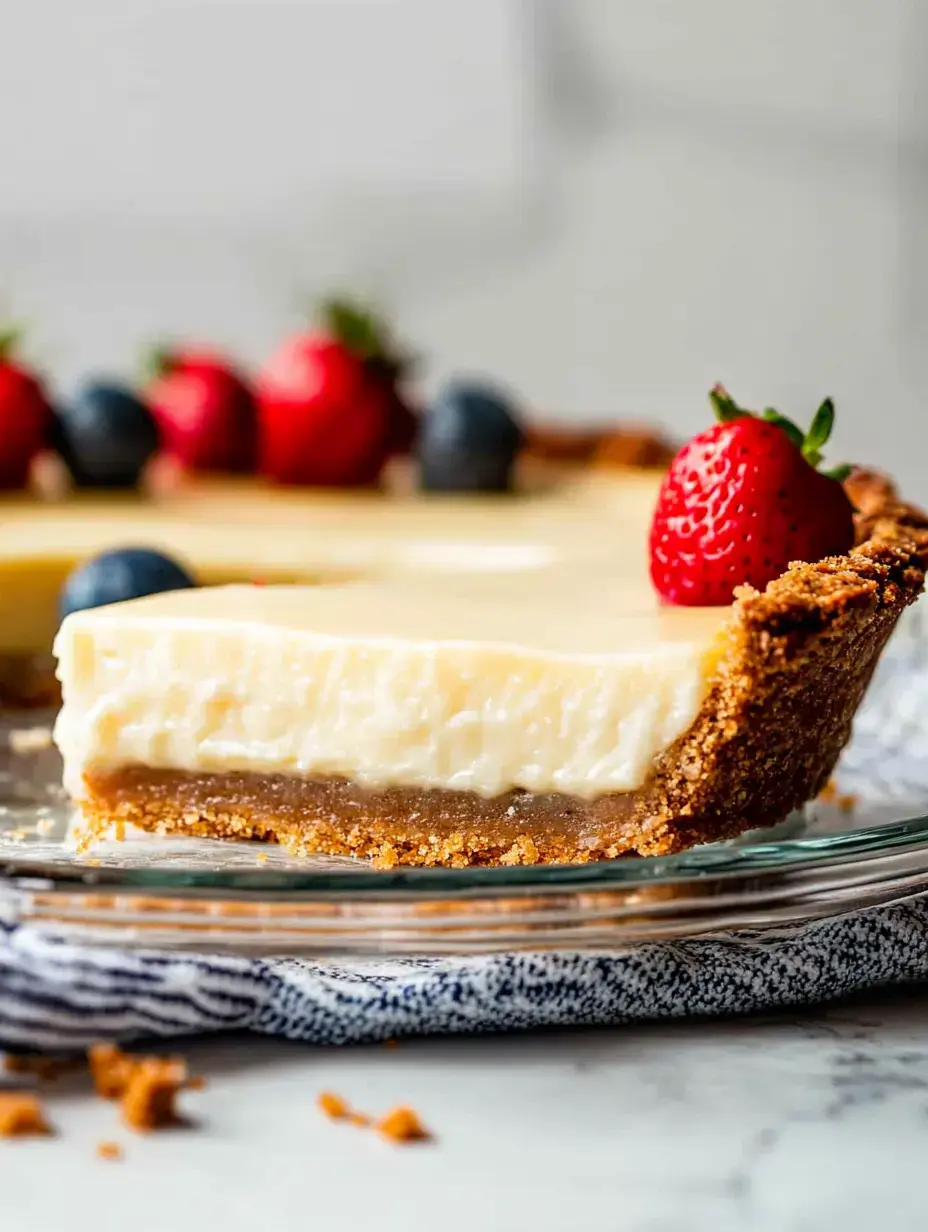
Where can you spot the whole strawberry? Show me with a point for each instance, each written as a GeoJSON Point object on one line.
{"type": "Point", "coordinates": [741, 501]}
{"type": "Point", "coordinates": [329, 408]}
{"type": "Point", "coordinates": [25, 416]}
{"type": "Point", "coordinates": [204, 410]}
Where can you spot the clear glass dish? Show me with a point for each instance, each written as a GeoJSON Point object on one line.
{"type": "Point", "coordinates": [867, 848]}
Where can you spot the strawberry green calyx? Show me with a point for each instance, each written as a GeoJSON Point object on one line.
{"type": "Point", "coordinates": [156, 363]}
{"type": "Point", "coordinates": [358, 329]}
{"type": "Point", "coordinates": [365, 334]}
{"type": "Point", "coordinates": [10, 338]}
{"type": "Point", "coordinates": [808, 443]}
{"type": "Point", "coordinates": [725, 407]}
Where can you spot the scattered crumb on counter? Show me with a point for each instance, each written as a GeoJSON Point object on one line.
{"type": "Point", "coordinates": [402, 1125]}
{"type": "Point", "coordinates": [332, 1105]}
{"type": "Point", "coordinates": [153, 1086]}
{"type": "Point", "coordinates": [845, 803]}
{"type": "Point", "coordinates": [110, 1068]}
{"type": "Point", "coordinates": [390, 1043]}
{"type": "Point", "coordinates": [22, 1116]}
{"type": "Point", "coordinates": [25, 740]}
{"type": "Point", "coordinates": [146, 1086]}
{"type": "Point", "coordinates": [35, 1065]}
{"type": "Point", "coordinates": [109, 1150]}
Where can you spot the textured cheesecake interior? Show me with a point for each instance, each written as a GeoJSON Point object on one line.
{"type": "Point", "coordinates": [483, 683]}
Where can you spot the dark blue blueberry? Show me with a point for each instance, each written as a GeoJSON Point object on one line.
{"type": "Point", "coordinates": [468, 440]}
{"type": "Point", "coordinates": [105, 436]}
{"type": "Point", "coordinates": [123, 573]}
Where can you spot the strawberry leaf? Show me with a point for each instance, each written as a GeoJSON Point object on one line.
{"type": "Point", "coordinates": [809, 444]}
{"type": "Point", "coordinates": [819, 432]}
{"type": "Point", "coordinates": [792, 431]}
{"type": "Point", "coordinates": [156, 363]}
{"type": "Point", "coordinates": [725, 407]}
{"type": "Point", "coordinates": [361, 332]}
{"type": "Point", "coordinates": [10, 338]}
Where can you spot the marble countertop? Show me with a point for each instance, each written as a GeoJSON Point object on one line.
{"type": "Point", "coordinates": [785, 1123]}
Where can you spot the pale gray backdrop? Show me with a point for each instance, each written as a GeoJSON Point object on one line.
{"type": "Point", "coordinates": [610, 203]}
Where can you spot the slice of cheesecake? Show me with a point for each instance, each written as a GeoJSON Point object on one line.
{"type": "Point", "coordinates": [545, 714]}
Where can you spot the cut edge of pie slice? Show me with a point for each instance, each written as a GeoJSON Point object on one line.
{"type": "Point", "coordinates": [774, 715]}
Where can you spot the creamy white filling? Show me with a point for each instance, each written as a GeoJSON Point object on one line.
{"type": "Point", "coordinates": [182, 683]}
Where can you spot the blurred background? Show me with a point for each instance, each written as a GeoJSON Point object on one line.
{"type": "Point", "coordinates": [610, 204]}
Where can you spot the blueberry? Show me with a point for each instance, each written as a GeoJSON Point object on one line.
{"type": "Point", "coordinates": [468, 440]}
{"type": "Point", "coordinates": [123, 573]}
{"type": "Point", "coordinates": [105, 436]}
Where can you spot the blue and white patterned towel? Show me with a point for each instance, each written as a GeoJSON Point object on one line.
{"type": "Point", "coordinates": [54, 994]}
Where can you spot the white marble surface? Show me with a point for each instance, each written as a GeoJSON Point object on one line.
{"type": "Point", "coordinates": [782, 1124]}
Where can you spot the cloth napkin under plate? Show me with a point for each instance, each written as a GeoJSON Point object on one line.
{"type": "Point", "coordinates": [54, 995]}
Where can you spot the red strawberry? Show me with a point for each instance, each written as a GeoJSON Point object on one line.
{"type": "Point", "coordinates": [741, 501]}
{"type": "Point", "coordinates": [25, 416]}
{"type": "Point", "coordinates": [329, 407]}
{"type": "Point", "coordinates": [204, 409]}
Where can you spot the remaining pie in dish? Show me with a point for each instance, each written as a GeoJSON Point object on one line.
{"type": "Point", "coordinates": [238, 530]}
{"type": "Point", "coordinates": [552, 711]}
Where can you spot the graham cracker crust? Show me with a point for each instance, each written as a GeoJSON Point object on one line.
{"type": "Point", "coordinates": [798, 659]}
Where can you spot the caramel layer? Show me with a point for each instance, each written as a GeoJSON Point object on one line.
{"type": "Point", "coordinates": [392, 826]}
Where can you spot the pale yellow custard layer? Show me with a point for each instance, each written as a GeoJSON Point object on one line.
{"type": "Point", "coordinates": [554, 679]}
{"type": "Point", "coordinates": [239, 531]}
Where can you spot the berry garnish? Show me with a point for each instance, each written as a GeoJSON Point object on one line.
{"type": "Point", "coordinates": [204, 409]}
{"type": "Point", "coordinates": [469, 440]}
{"type": "Point", "coordinates": [105, 436]}
{"type": "Point", "coordinates": [742, 500]}
{"type": "Point", "coordinates": [330, 411]}
{"type": "Point", "coordinates": [120, 574]}
{"type": "Point", "coordinates": [25, 416]}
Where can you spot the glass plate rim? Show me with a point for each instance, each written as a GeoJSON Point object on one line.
{"type": "Point", "coordinates": [757, 855]}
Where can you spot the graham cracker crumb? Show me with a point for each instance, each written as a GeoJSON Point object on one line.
{"type": "Point", "coordinates": [146, 1086]}
{"type": "Point", "coordinates": [22, 1116]}
{"type": "Point", "coordinates": [46, 1069]}
{"type": "Point", "coordinates": [110, 1068]}
{"type": "Point", "coordinates": [402, 1125]}
{"type": "Point", "coordinates": [845, 802]}
{"type": "Point", "coordinates": [109, 1150]}
{"type": "Point", "coordinates": [332, 1105]}
{"type": "Point", "coordinates": [153, 1086]}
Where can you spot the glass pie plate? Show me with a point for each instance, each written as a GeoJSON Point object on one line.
{"type": "Point", "coordinates": [866, 847]}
